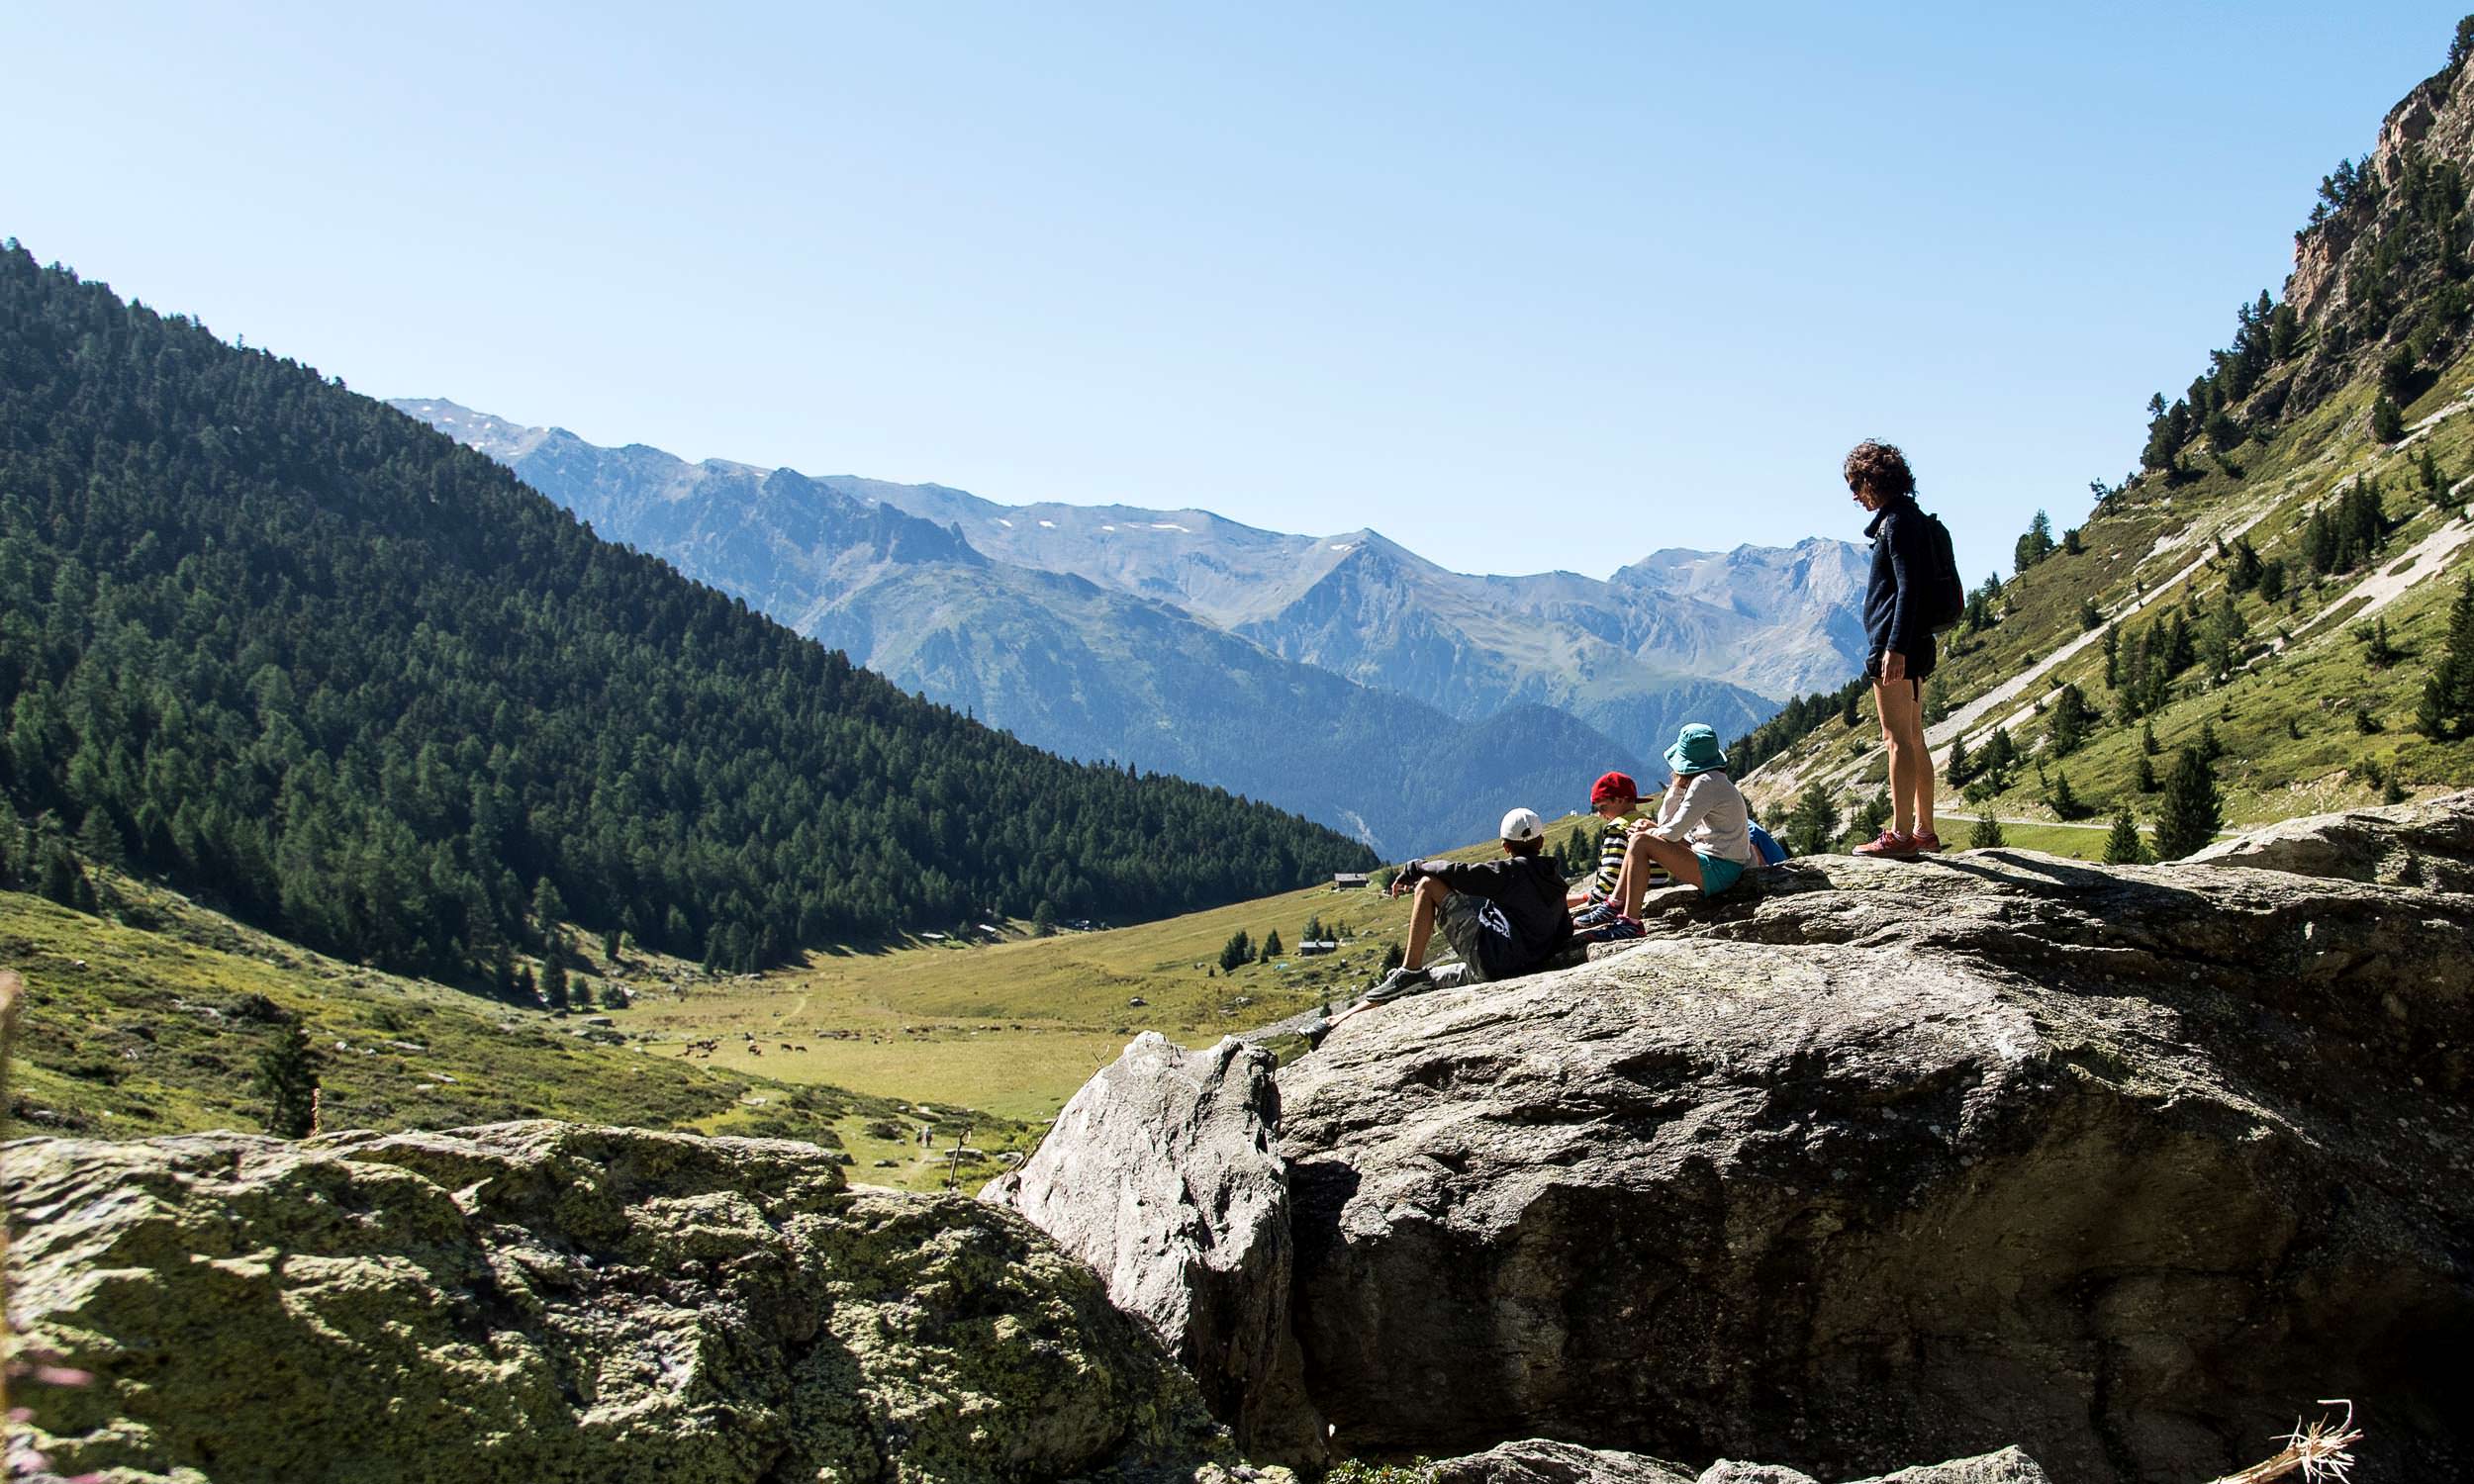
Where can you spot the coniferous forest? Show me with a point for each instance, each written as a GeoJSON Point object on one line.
{"type": "Point", "coordinates": [324, 668]}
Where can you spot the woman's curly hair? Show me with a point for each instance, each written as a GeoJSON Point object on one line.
{"type": "Point", "coordinates": [1880, 468]}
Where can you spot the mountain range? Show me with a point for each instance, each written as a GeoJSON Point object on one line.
{"type": "Point", "coordinates": [1344, 676]}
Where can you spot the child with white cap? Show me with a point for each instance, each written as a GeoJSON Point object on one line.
{"type": "Point", "coordinates": [1505, 917]}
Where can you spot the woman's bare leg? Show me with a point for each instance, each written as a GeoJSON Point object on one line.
{"type": "Point", "coordinates": [1911, 762]}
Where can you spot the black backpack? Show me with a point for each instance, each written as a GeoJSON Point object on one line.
{"type": "Point", "coordinates": [1944, 595]}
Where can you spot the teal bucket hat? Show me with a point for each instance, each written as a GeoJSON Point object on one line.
{"type": "Point", "coordinates": [1696, 750]}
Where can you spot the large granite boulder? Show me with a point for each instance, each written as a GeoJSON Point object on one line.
{"type": "Point", "coordinates": [1162, 1174]}
{"type": "Point", "coordinates": [541, 1301]}
{"type": "Point", "coordinates": [2426, 842]}
{"type": "Point", "coordinates": [1536, 1460]}
{"type": "Point", "coordinates": [1887, 1161]}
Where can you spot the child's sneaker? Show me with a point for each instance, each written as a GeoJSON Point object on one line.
{"type": "Point", "coordinates": [1398, 984]}
{"type": "Point", "coordinates": [1593, 915]}
{"type": "Point", "coordinates": [1616, 929]}
{"type": "Point", "coordinates": [1891, 844]}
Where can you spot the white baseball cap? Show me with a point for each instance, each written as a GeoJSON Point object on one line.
{"type": "Point", "coordinates": [1522, 824]}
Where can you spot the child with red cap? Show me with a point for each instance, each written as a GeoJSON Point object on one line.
{"type": "Point", "coordinates": [1616, 799]}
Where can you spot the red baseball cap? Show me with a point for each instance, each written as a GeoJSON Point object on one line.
{"type": "Point", "coordinates": [1612, 786]}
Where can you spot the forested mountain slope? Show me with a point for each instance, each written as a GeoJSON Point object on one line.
{"type": "Point", "coordinates": [1065, 663]}
{"type": "Point", "coordinates": [310, 659]}
{"type": "Point", "coordinates": [2280, 589]}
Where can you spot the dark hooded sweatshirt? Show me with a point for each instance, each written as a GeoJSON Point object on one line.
{"type": "Point", "coordinates": [1893, 613]}
{"type": "Point", "coordinates": [1529, 890]}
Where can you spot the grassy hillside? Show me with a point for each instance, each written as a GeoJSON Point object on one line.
{"type": "Point", "coordinates": [2308, 686]}
{"type": "Point", "coordinates": [155, 1024]}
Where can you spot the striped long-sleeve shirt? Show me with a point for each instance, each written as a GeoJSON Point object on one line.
{"type": "Point", "coordinates": [1611, 843]}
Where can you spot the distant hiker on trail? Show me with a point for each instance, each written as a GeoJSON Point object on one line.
{"type": "Point", "coordinates": [1914, 590]}
{"type": "Point", "coordinates": [1616, 799]}
{"type": "Point", "coordinates": [1506, 917]}
{"type": "Point", "coordinates": [1701, 835]}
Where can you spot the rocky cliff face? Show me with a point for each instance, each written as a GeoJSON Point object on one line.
{"type": "Point", "coordinates": [539, 1301]}
{"type": "Point", "coordinates": [1879, 1163]}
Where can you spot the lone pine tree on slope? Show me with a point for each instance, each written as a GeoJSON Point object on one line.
{"type": "Point", "coordinates": [2193, 810]}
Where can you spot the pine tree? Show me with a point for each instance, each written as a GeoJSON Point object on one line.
{"type": "Point", "coordinates": [2431, 716]}
{"type": "Point", "coordinates": [2192, 810]}
{"type": "Point", "coordinates": [2456, 665]}
{"type": "Point", "coordinates": [2272, 580]}
{"type": "Point", "coordinates": [1814, 823]}
{"type": "Point", "coordinates": [2113, 656]}
{"type": "Point", "coordinates": [1999, 757]}
{"type": "Point", "coordinates": [2393, 791]}
{"type": "Point", "coordinates": [2148, 738]}
{"type": "Point", "coordinates": [2181, 651]}
{"type": "Point", "coordinates": [1393, 957]}
{"type": "Point", "coordinates": [2243, 575]}
{"type": "Point", "coordinates": [554, 974]}
{"type": "Point", "coordinates": [1956, 769]}
{"type": "Point", "coordinates": [287, 1077]}
{"type": "Point", "coordinates": [2090, 616]}
{"type": "Point", "coordinates": [1270, 944]}
{"type": "Point", "coordinates": [2388, 421]}
{"type": "Point", "coordinates": [1236, 952]}
{"type": "Point", "coordinates": [2209, 749]}
{"type": "Point", "coordinates": [2124, 846]}
{"type": "Point", "coordinates": [1870, 818]}
{"type": "Point", "coordinates": [2069, 724]}
{"type": "Point", "coordinates": [2035, 546]}
{"type": "Point", "coordinates": [2065, 802]}
{"type": "Point", "coordinates": [2146, 774]}
{"type": "Point", "coordinates": [550, 910]}
{"type": "Point", "coordinates": [1987, 834]}
{"type": "Point", "coordinates": [1044, 920]}
{"type": "Point", "coordinates": [2319, 543]}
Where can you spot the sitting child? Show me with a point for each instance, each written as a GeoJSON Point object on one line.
{"type": "Point", "coordinates": [1505, 917]}
{"type": "Point", "coordinates": [1616, 799]}
{"type": "Point", "coordinates": [1701, 835]}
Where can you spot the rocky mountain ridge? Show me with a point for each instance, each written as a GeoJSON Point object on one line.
{"type": "Point", "coordinates": [1105, 632]}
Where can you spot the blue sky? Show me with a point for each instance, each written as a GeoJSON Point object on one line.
{"type": "Point", "coordinates": [1522, 287]}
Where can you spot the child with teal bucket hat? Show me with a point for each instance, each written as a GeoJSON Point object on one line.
{"type": "Point", "coordinates": [1702, 833]}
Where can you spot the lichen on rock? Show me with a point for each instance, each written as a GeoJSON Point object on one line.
{"type": "Point", "coordinates": [539, 1300]}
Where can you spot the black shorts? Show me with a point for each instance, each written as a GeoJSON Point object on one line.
{"type": "Point", "coordinates": [1479, 931]}
{"type": "Point", "coordinates": [1920, 662]}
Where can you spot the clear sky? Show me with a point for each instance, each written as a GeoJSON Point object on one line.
{"type": "Point", "coordinates": [1523, 287]}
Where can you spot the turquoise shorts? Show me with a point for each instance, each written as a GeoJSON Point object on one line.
{"type": "Point", "coordinates": [1718, 875]}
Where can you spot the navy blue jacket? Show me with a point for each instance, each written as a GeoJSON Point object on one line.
{"type": "Point", "coordinates": [1894, 619]}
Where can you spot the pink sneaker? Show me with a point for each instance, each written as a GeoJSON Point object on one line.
{"type": "Point", "coordinates": [1891, 845]}
{"type": "Point", "coordinates": [1927, 842]}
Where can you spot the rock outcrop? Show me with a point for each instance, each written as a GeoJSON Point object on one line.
{"type": "Point", "coordinates": [1536, 1460]}
{"type": "Point", "coordinates": [1162, 1174]}
{"type": "Point", "coordinates": [1539, 1460]}
{"type": "Point", "coordinates": [541, 1301]}
{"type": "Point", "coordinates": [2426, 842]}
{"type": "Point", "coordinates": [1894, 1161]}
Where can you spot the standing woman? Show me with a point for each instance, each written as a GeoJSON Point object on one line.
{"type": "Point", "coordinates": [1900, 641]}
